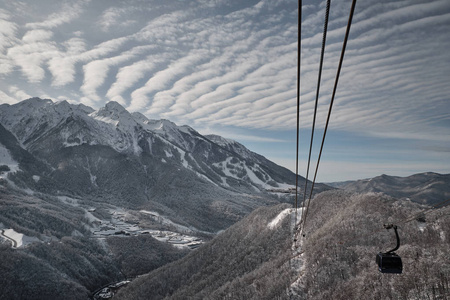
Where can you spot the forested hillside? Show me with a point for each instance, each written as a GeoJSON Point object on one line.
{"type": "Point", "coordinates": [247, 261]}
{"type": "Point", "coordinates": [59, 258]}
{"type": "Point", "coordinates": [344, 232]}
{"type": "Point", "coordinates": [425, 188]}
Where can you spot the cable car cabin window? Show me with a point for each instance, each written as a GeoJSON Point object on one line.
{"type": "Point", "coordinates": [389, 263]}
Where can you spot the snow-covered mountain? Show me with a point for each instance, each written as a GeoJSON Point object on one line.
{"type": "Point", "coordinates": [72, 178]}
{"type": "Point", "coordinates": [427, 188]}
{"type": "Point", "coordinates": [127, 159]}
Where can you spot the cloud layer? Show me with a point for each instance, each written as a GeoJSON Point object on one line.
{"type": "Point", "coordinates": [233, 63]}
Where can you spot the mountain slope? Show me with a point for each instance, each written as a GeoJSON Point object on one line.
{"type": "Point", "coordinates": [58, 257]}
{"type": "Point", "coordinates": [113, 156]}
{"type": "Point", "coordinates": [335, 259]}
{"type": "Point", "coordinates": [428, 188]}
{"type": "Point", "coordinates": [345, 232]}
{"type": "Point", "coordinates": [24, 168]}
{"type": "Point", "coordinates": [247, 261]}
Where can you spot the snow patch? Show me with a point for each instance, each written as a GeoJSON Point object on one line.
{"type": "Point", "coordinates": [224, 181]}
{"type": "Point", "coordinates": [14, 235]}
{"type": "Point", "coordinates": [17, 239]}
{"type": "Point", "coordinates": [168, 154]}
{"type": "Point", "coordinates": [253, 177]}
{"type": "Point", "coordinates": [298, 261]}
{"type": "Point", "coordinates": [93, 179]}
{"type": "Point", "coordinates": [91, 217]}
{"type": "Point", "coordinates": [227, 170]}
{"type": "Point", "coordinates": [68, 200]}
{"type": "Point", "coordinates": [275, 222]}
{"type": "Point", "coordinates": [6, 159]}
{"type": "Point", "coordinates": [74, 144]}
{"type": "Point", "coordinates": [107, 120]}
{"type": "Point", "coordinates": [231, 169]}
{"type": "Point", "coordinates": [422, 227]}
{"type": "Point", "coordinates": [285, 186]}
{"type": "Point", "coordinates": [183, 158]}
{"type": "Point", "coordinates": [185, 129]}
{"type": "Point", "coordinates": [147, 212]}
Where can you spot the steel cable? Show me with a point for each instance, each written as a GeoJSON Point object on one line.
{"type": "Point", "coordinates": [299, 44]}
{"type": "Point", "coordinates": [319, 77]}
{"type": "Point", "coordinates": [341, 60]}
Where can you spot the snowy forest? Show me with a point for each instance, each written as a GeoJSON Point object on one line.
{"type": "Point", "coordinates": [345, 232]}
{"type": "Point", "coordinates": [342, 237]}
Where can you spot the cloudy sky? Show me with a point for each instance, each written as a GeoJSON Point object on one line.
{"type": "Point", "coordinates": [229, 67]}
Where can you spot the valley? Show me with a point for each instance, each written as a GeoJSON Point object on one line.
{"type": "Point", "coordinates": [120, 223]}
{"type": "Point", "coordinates": [125, 224]}
{"type": "Point", "coordinates": [155, 150]}
{"type": "Point", "coordinates": [91, 198]}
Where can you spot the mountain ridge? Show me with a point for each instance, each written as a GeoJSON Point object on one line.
{"type": "Point", "coordinates": [425, 188]}
{"type": "Point", "coordinates": [74, 174]}
{"type": "Point", "coordinates": [127, 159]}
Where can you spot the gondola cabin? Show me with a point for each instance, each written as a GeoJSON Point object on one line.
{"type": "Point", "coordinates": [389, 263]}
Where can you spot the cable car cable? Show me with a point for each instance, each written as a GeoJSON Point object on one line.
{"type": "Point", "coordinates": [404, 221]}
{"type": "Point", "coordinates": [319, 77]}
{"type": "Point", "coordinates": [299, 44]}
{"type": "Point", "coordinates": [425, 211]}
{"type": "Point", "coordinates": [388, 262]}
{"type": "Point", "coordinates": [341, 60]}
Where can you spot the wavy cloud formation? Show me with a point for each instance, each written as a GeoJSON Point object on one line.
{"type": "Point", "coordinates": [233, 63]}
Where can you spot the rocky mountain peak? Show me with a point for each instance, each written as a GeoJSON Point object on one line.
{"type": "Point", "coordinates": [60, 128]}
{"type": "Point", "coordinates": [140, 118]}
{"type": "Point", "coordinates": [35, 102]}
{"type": "Point", "coordinates": [113, 111]}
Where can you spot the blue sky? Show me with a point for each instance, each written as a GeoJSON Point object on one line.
{"type": "Point", "coordinates": [229, 67]}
